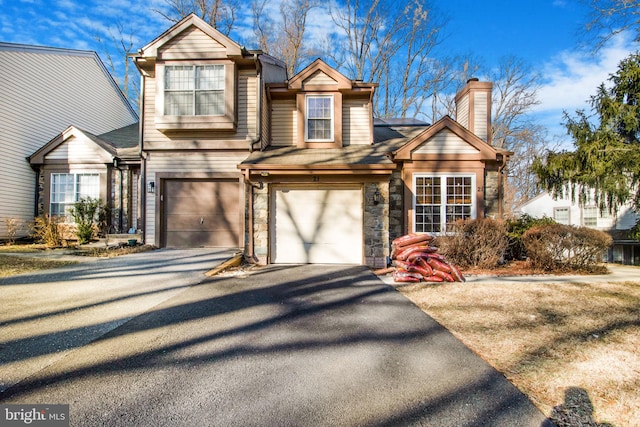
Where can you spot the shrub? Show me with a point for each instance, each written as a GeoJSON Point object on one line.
{"type": "Point", "coordinates": [565, 247]}
{"type": "Point", "coordinates": [477, 243]}
{"type": "Point", "coordinates": [516, 229]}
{"type": "Point", "coordinates": [48, 230]}
{"type": "Point", "coordinates": [13, 226]}
{"type": "Point", "coordinates": [85, 212]}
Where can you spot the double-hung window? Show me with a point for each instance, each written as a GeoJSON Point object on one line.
{"type": "Point", "coordinates": [442, 199]}
{"type": "Point", "coordinates": [561, 215]}
{"type": "Point", "coordinates": [194, 90]}
{"type": "Point", "coordinates": [69, 188]}
{"type": "Point", "coordinates": [590, 216]}
{"type": "Point", "coordinates": [319, 118]}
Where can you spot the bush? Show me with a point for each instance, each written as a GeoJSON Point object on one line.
{"type": "Point", "coordinates": [565, 247]}
{"type": "Point", "coordinates": [13, 225]}
{"type": "Point", "coordinates": [48, 230]}
{"type": "Point", "coordinates": [516, 229]}
{"type": "Point", "coordinates": [85, 214]}
{"type": "Point", "coordinates": [477, 243]}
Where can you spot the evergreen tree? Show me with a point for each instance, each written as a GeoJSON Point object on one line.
{"type": "Point", "coordinates": [606, 159]}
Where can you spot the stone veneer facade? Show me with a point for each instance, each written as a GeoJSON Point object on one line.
{"type": "Point", "coordinates": [375, 224]}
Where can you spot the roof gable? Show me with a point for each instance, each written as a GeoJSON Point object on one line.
{"type": "Point", "coordinates": [446, 138]}
{"type": "Point", "coordinates": [196, 33]}
{"type": "Point", "coordinates": [74, 144]}
{"type": "Point", "coordinates": [318, 76]}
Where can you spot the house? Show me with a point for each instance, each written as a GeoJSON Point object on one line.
{"type": "Point", "coordinates": [77, 164]}
{"type": "Point", "coordinates": [564, 210]}
{"type": "Point", "coordinates": [44, 91]}
{"type": "Point", "coordinates": [296, 170]}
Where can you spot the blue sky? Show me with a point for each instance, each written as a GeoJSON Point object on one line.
{"type": "Point", "coordinates": [544, 33]}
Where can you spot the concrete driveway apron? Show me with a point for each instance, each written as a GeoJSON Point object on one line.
{"type": "Point", "coordinates": [283, 346]}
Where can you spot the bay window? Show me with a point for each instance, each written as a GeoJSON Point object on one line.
{"type": "Point", "coordinates": [194, 90]}
{"type": "Point", "coordinates": [442, 199]}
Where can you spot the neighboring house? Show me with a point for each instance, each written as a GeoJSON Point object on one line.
{"type": "Point", "coordinates": [77, 164]}
{"type": "Point", "coordinates": [296, 170]}
{"type": "Point", "coordinates": [565, 211]}
{"type": "Point", "coordinates": [45, 90]}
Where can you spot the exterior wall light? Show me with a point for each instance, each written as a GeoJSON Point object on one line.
{"type": "Point", "coordinates": [151, 187]}
{"type": "Point", "coordinates": [376, 197]}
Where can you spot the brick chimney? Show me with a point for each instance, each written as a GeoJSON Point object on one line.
{"type": "Point", "coordinates": [473, 108]}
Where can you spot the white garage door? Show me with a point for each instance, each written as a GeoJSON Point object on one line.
{"type": "Point", "coordinates": [317, 226]}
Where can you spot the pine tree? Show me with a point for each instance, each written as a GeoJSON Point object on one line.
{"type": "Point", "coordinates": [605, 164]}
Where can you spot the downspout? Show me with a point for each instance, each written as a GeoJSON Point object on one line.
{"type": "Point", "coordinates": [258, 136]}
{"type": "Point", "coordinates": [143, 164]}
{"type": "Point", "coordinates": [501, 187]}
{"type": "Point", "coordinates": [250, 244]}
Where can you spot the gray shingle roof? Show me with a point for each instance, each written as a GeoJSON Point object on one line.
{"type": "Point", "coordinates": [386, 139]}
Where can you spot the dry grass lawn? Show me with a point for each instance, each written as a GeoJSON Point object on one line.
{"type": "Point", "coordinates": [12, 265]}
{"type": "Point", "coordinates": [550, 338]}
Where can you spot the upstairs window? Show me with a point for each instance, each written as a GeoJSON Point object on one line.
{"type": "Point", "coordinates": [69, 188]}
{"type": "Point", "coordinates": [590, 216]}
{"type": "Point", "coordinates": [319, 120]}
{"type": "Point", "coordinates": [194, 90]}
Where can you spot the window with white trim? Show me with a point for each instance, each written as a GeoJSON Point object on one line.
{"type": "Point", "coordinates": [68, 188]}
{"type": "Point", "coordinates": [194, 90]}
{"type": "Point", "coordinates": [442, 199]}
{"type": "Point", "coordinates": [561, 215]}
{"type": "Point", "coordinates": [319, 118]}
{"type": "Point", "coordinates": [590, 216]}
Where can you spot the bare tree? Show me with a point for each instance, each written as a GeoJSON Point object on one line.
{"type": "Point", "coordinates": [383, 42]}
{"type": "Point", "coordinates": [284, 38]}
{"type": "Point", "coordinates": [607, 18]}
{"type": "Point", "coordinates": [514, 97]}
{"type": "Point", "coordinates": [220, 14]}
{"type": "Point", "coordinates": [121, 42]}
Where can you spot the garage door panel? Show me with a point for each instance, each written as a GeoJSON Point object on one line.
{"type": "Point", "coordinates": [201, 223]}
{"type": "Point", "coordinates": [202, 213]}
{"type": "Point", "coordinates": [318, 226]}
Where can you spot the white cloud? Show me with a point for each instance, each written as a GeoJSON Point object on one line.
{"type": "Point", "coordinates": [572, 77]}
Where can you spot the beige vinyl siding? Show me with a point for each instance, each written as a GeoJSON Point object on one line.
{"type": "Point", "coordinates": [246, 110]}
{"type": "Point", "coordinates": [462, 112]}
{"type": "Point", "coordinates": [446, 142]}
{"type": "Point", "coordinates": [192, 43]}
{"type": "Point", "coordinates": [319, 79]}
{"type": "Point", "coordinates": [79, 150]}
{"type": "Point", "coordinates": [43, 92]}
{"type": "Point", "coordinates": [247, 104]}
{"type": "Point", "coordinates": [284, 123]}
{"type": "Point", "coordinates": [356, 124]}
{"type": "Point", "coordinates": [480, 115]}
{"type": "Point", "coordinates": [196, 164]}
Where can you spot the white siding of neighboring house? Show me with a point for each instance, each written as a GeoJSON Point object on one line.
{"type": "Point", "coordinates": [284, 123]}
{"type": "Point", "coordinates": [544, 205]}
{"type": "Point", "coordinates": [356, 124]}
{"type": "Point", "coordinates": [446, 142]}
{"type": "Point", "coordinates": [43, 92]}
{"type": "Point", "coordinates": [198, 165]}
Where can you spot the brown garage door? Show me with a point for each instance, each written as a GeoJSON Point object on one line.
{"type": "Point", "coordinates": [200, 213]}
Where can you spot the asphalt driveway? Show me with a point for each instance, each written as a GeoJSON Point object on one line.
{"type": "Point", "coordinates": [152, 341]}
